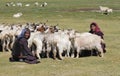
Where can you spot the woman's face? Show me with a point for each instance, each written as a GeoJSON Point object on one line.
{"type": "Point", "coordinates": [27, 34]}
{"type": "Point", "coordinates": [93, 27]}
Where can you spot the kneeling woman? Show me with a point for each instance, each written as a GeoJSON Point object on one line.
{"type": "Point", "coordinates": [20, 49]}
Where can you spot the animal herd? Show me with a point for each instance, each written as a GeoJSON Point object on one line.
{"type": "Point", "coordinates": [51, 41]}
{"type": "Point", "coordinates": [102, 9]}
{"type": "Point", "coordinates": [20, 4]}
{"type": "Point", "coordinates": [47, 41]}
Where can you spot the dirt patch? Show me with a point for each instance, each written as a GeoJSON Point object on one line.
{"type": "Point", "coordinates": [86, 9]}
{"type": "Point", "coordinates": [82, 9]}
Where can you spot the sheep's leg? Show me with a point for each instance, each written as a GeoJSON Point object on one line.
{"type": "Point", "coordinates": [8, 48]}
{"type": "Point", "coordinates": [68, 51]}
{"type": "Point", "coordinates": [54, 50]}
{"type": "Point", "coordinates": [60, 54]}
{"type": "Point", "coordinates": [67, 55]}
{"type": "Point", "coordinates": [72, 54]}
{"type": "Point", "coordinates": [78, 51]}
{"type": "Point", "coordinates": [44, 49]}
{"type": "Point", "coordinates": [4, 46]}
{"type": "Point", "coordinates": [11, 44]}
{"type": "Point", "coordinates": [33, 52]}
{"type": "Point", "coordinates": [48, 51]}
{"type": "Point", "coordinates": [100, 50]}
{"type": "Point", "coordinates": [38, 54]}
{"type": "Point", "coordinates": [54, 54]}
{"type": "Point", "coordinates": [102, 54]}
{"type": "Point", "coordinates": [47, 54]}
{"type": "Point", "coordinates": [39, 50]}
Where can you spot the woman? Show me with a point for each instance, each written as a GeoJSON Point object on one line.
{"type": "Point", "coordinates": [94, 29]}
{"type": "Point", "coordinates": [20, 49]}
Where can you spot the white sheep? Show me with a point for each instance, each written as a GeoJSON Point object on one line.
{"type": "Point", "coordinates": [105, 10]}
{"type": "Point", "coordinates": [7, 38]}
{"type": "Point", "coordinates": [17, 15]}
{"type": "Point", "coordinates": [59, 42]}
{"type": "Point", "coordinates": [8, 4]}
{"type": "Point", "coordinates": [36, 3]}
{"type": "Point", "coordinates": [35, 39]}
{"type": "Point", "coordinates": [27, 5]}
{"type": "Point", "coordinates": [44, 4]}
{"type": "Point", "coordinates": [19, 4]}
{"type": "Point", "coordinates": [88, 41]}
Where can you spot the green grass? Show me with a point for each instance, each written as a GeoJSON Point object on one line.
{"type": "Point", "coordinates": [61, 12]}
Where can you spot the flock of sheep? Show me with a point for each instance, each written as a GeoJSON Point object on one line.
{"type": "Point", "coordinates": [102, 9]}
{"type": "Point", "coordinates": [19, 4]}
{"type": "Point", "coordinates": [47, 39]}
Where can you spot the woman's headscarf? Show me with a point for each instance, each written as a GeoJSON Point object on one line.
{"type": "Point", "coordinates": [22, 34]}
{"type": "Point", "coordinates": [97, 30]}
{"type": "Point", "coordinates": [96, 26]}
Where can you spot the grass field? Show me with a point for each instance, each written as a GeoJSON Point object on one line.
{"type": "Point", "coordinates": [67, 13]}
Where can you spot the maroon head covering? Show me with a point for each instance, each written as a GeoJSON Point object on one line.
{"type": "Point", "coordinates": [97, 29]}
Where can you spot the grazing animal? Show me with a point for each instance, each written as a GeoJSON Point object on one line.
{"type": "Point", "coordinates": [44, 4]}
{"type": "Point", "coordinates": [59, 42]}
{"type": "Point", "coordinates": [8, 4]}
{"type": "Point", "coordinates": [35, 39]}
{"type": "Point", "coordinates": [19, 4]}
{"type": "Point", "coordinates": [27, 5]}
{"type": "Point", "coordinates": [105, 10]}
{"type": "Point", "coordinates": [36, 3]}
{"type": "Point", "coordinates": [88, 41]}
{"type": "Point", "coordinates": [17, 15]}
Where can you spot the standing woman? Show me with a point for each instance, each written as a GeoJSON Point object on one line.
{"type": "Point", "coordinates": [94, 29]}
{"type": "Point", "coordinates": [20, 49]}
